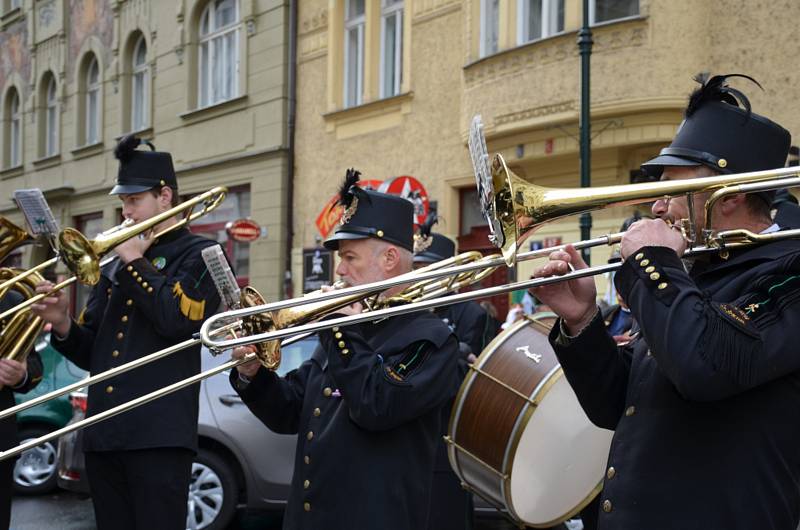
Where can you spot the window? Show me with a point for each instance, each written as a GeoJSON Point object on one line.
{"type": "Point", "coordinates": [490, 26]}
{"type": "Point", "coordinates": [14, 4]}
{"type": "Point", "coordinates": [219, 52]}
{"type": "Point", "coordinates": [92, 103]}
{"type": "Point", "coordinates": [51, 118]}
{"type": "Point", "coordinates": [140, 100]}
{"type": "Point", "coordinates": [606, 10]}
{"type": "Point", "coordinates": [14, 130]}
{"type": "Point", "coordinates": [353, 52]}
{"type": "Point", "coordinates": [391, 47]}
{"type": "Point", "coordinates": [539, 19]}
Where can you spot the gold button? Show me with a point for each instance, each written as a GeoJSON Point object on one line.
{"type": "Point", "coordinates": [611, 472]}
{"type": "Point", "coordinates": [338, 335]}
{"type": "Point", "coordinates": [607, 506]}
{"type": "Point", "coordinates": [145, 284]}
{"type": "Point", "coordinates": [639, 256]}
{"type": "Point", "coordinates": [149, 289]}
{"type": "Point", "coordinates": [655, 276]}
{"type": "Point", "coordinates": [345, 351]}
{"type": "Point", "coordinates": [162, 183]}
{"type": "Point", "coordinates": [327, 391]}
{"type": "Point", "coordinates": [335, 329]}
{"type": "Point", "coordinates": [306, 483]}
{"type": "Point", "coordinates": [380, 233]}
{"type": "Point", "coordinates": [649, 269]}
{"type": "Point", "coordinates": [129, 268]}
{"type": "Point", "coordinates": [662, 286]}
{"type": "Point", "coordinates": [139, 279]}
{"type": "Point", "coordinates": [120, 335]}
{"type": "Point", "coordinates": [134, 274]}
{"type": "Point", "coordinates": [342, 344]}
{"type": "Point", "coordinates": [310, 435]}
{"type": "Point", "coordinates": [307, 459]}
{"type": "Point", "coordinates": [630, 411]}
{"type": "Point", "coordinates": [109, 389]}
{"type": "Point", "coordinates": [115, 353]}
{"type": "Point", "coordinates": [317, 412]}
{"type": "Point", "coordinates": [125, 318]}
{"type": "Point", "coordinates": [307, 506]}
{"type": "Point", "coordinates": [129, 302]}
{"type": "Point", "coordinates": [722, 163]}
{"type": "Point", "coordinates": [644, 262]}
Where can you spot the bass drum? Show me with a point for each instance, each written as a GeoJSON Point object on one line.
{"type": "Point", "coordinates": [518, 436]}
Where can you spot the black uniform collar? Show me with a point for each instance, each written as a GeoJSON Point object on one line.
{"type": "Point", "coordinates": [747, 257]}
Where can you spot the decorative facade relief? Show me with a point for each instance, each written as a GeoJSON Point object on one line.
{"type": "Point", "coordinates": [536, 112]}
{"type": "Point", "coordinates": [90, 18]}
{"type": "Point", "coordinates": [313, 36]}
{"type": "Point", "coordinates": [427, 9]}
{"type": "Point", "coordinates": [16, 57]}
{"type": "Point", "coordinates": [49, 19]}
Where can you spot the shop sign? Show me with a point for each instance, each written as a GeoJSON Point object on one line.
{"type": "Point", "coordinates": [329, 217]}
{"type": "Point", "coordinates": [243, 230]}
{"type": "Point", "coordinates": [413, 191]}
{"type": "Point", "coordinates": [317, 268]}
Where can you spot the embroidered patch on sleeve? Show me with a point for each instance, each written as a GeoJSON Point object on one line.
{"type": "Point", "coordinates": [736, 316]}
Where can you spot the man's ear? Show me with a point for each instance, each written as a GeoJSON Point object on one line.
{"type": "Point", "coordinates": [165, 197]}
{"type": "Point", "coordinates": [729, 204]}
{"type": "Point", "coordinates": [391, 258]}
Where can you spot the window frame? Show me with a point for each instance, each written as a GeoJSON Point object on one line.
{"type": "Point", "coordinates": [90, 103]}
{"type": "Point", "coordinates": [51, 136]}
{"type": "Point", "coordinates": [549, 20]}
{"type": "Point", "coordinates": [14, 107]}
{"type": "Point", "coordinates": [207, 54]}
{"type": "Point", "coordinates": [396, 9]}
{"type": "Point", "coordinates": [139, 71]}
{"type": "Point", "coordinates": [357, 24]}
{"type": "Point", "coordinates": [593, 14]}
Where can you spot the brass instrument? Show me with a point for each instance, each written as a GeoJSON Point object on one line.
{"type": "Point", "coordinates": [11, 237]}
{"type": "Point", "coordinates": [19, 334]}
{"type": "Point", "coordinates": [272, 322]}
{"type": "Point", "coordinates": [82, 256]}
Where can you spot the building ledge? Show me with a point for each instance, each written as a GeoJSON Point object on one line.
{"type": "Point", "coordinates": [47, 161]}
{"type": "Point", "coordinates": [11, 172]}
{"type": "Point", "coordinates": [145, 134]}
{"type": "Point", "coordinates": [215, 110]}
{"type": "Point", "coordinates": [84, 151]}
{"type": "Point", "coordinates": [11, 16]}
{"type": "Point", "coordinates": [369, 117]}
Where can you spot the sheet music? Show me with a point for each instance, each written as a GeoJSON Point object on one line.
{"type": "Point", "coordinates": [37, 212]}
{"type": "Point", "coordinates": [222, 275]}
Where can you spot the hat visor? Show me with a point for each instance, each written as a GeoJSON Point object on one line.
{"type": "Point", "coordinates": [669, 160]}
{"type": "Point", "coordinates": [127, 189]}
{"type": "Point", "coordinates": [427, 257]}
{"type": "Point", "coordinates": [332, 243]}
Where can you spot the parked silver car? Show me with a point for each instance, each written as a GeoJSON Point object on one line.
{"type": "Point", "coordinates": [241, 463]}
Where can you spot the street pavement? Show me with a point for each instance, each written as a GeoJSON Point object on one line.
{"type": "Point", "coordinates": [68, 511]}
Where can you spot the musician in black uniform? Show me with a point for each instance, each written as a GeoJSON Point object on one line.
{"type": "Point", "coordinates": [451, 505]}
{"type": "Point", "coordinates": [703, 403]}
{"type": "Point", "coordinates": [368, 404]}
{"type": "Point", "coordinates": [15, 376]}
{"type": "Point", "coordinates": [155, 295]}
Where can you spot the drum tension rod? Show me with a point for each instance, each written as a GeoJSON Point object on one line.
{"type": "Point", "coordinates": [510, 389]}
{"type": "Point", "coordinates": [478, 460]}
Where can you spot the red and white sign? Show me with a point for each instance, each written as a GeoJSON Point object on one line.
{"type": "Point", "coordinates": [412, 190]}
{"type": "Point", "coordinates": [244, 230]}
{"type": "Point", "coordinates": [329, 217]}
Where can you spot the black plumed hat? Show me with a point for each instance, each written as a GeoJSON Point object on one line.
{"type": "Point", "coordinates": [370, 213]}
{"type": "Point", "coordinates": [720, 131]}
{"type": "Point", "coordinates": [142, 170]}
{"type": "Point", "coordinates": [430, 247]}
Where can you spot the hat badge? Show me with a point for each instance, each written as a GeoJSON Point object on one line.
{"type": "Point", "coordinates": [422, 243]}
{"type": "Point", "coordinates": [349, 212]}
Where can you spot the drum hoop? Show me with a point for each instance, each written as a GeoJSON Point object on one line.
{"type": "Point", "coordinates": [521, 424]}
{"type": "Point", "coordinates": [455, 414]}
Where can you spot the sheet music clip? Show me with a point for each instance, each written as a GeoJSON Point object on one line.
{"type": "Point", "coordinates": [222, 275]}
{"type": "Point", "coordinates": [40, 219]}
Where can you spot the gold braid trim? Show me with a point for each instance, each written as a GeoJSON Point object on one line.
{"type": "Point", "coordinates": [81, 319]}
{"type": "Point", "coordinates": [191, 308]}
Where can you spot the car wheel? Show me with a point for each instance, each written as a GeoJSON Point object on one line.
{"type": "Point", "coordinates": [35, 470]}
{"type": "Point", "coordinates": [213, 494]}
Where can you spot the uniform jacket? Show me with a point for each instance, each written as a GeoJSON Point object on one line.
{"type": "Point", "coordinates": [704, 404]}
{"type": "Point", "coordinates": [8, 426]}
{"type": "Point", "coordinates": [367, 407]}
{"type": "Point", "coordinates": [136, 309]}
{"type": "Point", "coordinates": [471, 324]}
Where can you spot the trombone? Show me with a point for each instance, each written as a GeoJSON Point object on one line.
{"type": "Point", "coordinates": [83, 256]}
{"type": "Point", "coordinates": [281, 324]}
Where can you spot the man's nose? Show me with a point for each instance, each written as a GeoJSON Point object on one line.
{"type": "Point", "coordinates": [341, 270]}
{"type": "Point", "coordinates": [660, 207]}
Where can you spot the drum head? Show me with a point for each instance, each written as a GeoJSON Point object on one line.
{"type": "Point", "coordinates": [560, 459]}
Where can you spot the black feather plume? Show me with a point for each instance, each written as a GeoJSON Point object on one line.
{"type": "Point", "coordinates": [350, 189]}
{"type": "Point", "coordinates": [126, 146]}
{"type": "Point", "coordinates": [426, 227]}
{"type": "Point", "coordinates": [716, 89]}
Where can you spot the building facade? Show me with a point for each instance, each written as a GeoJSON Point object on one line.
{"type": "Point", "coordinates": [390, 87]}
{"type": "Point", "coordinates": [205, 80]}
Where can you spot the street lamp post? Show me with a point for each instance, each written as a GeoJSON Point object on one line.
{"type": "Point", "coordinates": [585, 47]}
